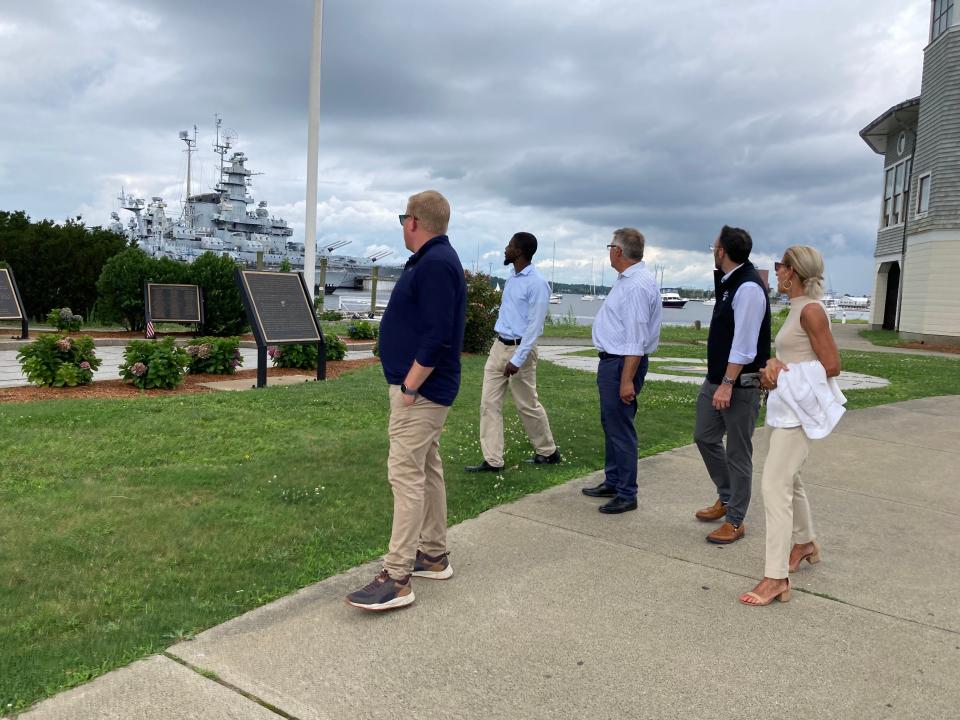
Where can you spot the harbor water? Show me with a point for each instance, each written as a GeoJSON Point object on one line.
{"type": "Point", "coordinates": [582, 311]}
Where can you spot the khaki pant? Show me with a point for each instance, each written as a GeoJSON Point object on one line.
{"type": "Point", "coordinates": [416, 478]}
{"type": "Point", "coordinates": [785, 503]}
{"type": "Point", "coordinates": [523, 387]}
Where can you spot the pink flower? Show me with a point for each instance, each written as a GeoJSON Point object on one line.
{"type": "Point", "coordinates": [273, 351]}
{"type": "Point", "coordinates": [84, 365]}
{"type": "Point", "coordinates": [203, 352]}
{"type": "Point", "coordinates": [234, 363]}
{"type": "Point", "coordinates": [139, 369]}
{"type": "Point", "coordinates": [64, 344]}
{"type": "Point", "coordinates": [192, 349]}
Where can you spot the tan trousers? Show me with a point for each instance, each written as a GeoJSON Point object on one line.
{"type": "Point", "coordinates": [416, 478]}
{"type": "Point", "coordinates": [523, 387]}
{"type": "Point", "coordinates": [785, 503]}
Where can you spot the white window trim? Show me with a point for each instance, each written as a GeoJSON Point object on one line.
{"type": "Point", "coordinates": [917, 214]}
{"type": "Point", "coordinates": [883, 194]}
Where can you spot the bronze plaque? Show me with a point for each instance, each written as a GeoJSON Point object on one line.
{"type": "Point", "coordinates": [9, 306]}
{"type": "Point", "coordinates": [281, 307]}
{"type": "Point", "coordinates": [173, 303]}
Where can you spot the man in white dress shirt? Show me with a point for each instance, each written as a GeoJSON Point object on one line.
{"type": "Point", "coordinates": [729, 401]}
{"type": "Point", "coordinates": [625, 332]}
{"type": "Point", "coordinates": [513, 361]}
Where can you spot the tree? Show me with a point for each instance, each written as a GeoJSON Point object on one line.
{"type": "Point", "coordinates": [56, 265]}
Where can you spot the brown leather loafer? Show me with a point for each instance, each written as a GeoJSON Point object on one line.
{"type": "Point", "coordinates": [727, 533]}
{"type": "Point", "coordinates": [714, 512]}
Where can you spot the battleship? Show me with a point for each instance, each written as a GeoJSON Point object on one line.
{"type": "Point", "coordinates": [222, 222]}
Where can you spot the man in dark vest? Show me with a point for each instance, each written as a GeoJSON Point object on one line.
{"type": "Point", "coordinates": [737, 347]}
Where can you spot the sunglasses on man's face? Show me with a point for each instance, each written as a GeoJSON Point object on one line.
{"type": "Point", "coordinates": [403, 218]}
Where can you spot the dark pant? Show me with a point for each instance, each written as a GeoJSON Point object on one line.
{"type": "Point", "coordinates": [620, 460]}
{"type": "Point", "coordinates": [731, 469]}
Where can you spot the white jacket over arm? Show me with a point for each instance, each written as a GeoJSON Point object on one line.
{"type": "Point", "coordinates": [806, 397]}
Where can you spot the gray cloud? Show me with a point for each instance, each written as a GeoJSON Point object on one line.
{"type": "Point", "coordinates": [674, 117]}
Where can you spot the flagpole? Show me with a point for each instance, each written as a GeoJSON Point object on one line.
{"type": "Point", "coordinates": [313, 149]}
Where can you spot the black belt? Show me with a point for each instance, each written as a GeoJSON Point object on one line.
{"type": "Point", "coordinates": [610, 356]}
{"type": "Point", "coordinates": [509, 342]}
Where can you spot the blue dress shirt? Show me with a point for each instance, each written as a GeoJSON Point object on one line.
{"type": "Point", "coordinates": [523, 309]}
{"type": "Point", "coordinates": [629, 320]}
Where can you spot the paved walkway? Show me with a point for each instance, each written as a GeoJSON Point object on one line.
{"type": "Point", "coordinates": [557, 611]}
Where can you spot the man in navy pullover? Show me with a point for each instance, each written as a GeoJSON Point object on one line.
{"type": "Point", "coordinates": [421, 336]}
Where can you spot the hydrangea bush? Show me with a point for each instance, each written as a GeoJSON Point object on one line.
{"type": "Point", "coordinates": [363, 330]}
{"type": "Point", "coordinates": [304, 355]}
{"type": "Point", "coordinates": [214, 355]}
{"type": "Point", "coordinates": [59, 360]}
{"type": "Point", "coordinates": [154, 363]}
{"type": "Point", "coordinates": [64, 320]}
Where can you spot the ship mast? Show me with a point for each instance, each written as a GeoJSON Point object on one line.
{"type": "Point", "coordinates": [191, 148]}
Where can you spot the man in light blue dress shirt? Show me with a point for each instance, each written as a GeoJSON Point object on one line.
{"type": "Point", "coordinates": [513, 361]}
{"type": "Point", "coordinates": [625, 332]}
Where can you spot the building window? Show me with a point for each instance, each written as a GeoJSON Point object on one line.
{"type": "Point", "coordinates": [942, 18]}
{"type": "Point", "coordinates": [896, 188]}
{"type": "Point", "coordinates": [923, 194]}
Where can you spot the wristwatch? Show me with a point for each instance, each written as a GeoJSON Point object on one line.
{"type": "Point", "coordinates": [407, 391]}
{"type": "Point", "coordinates": [729, 381]}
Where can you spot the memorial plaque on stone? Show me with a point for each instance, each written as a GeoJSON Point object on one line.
{"type": "Point", "coordinates": [174, 303]}
{"type": "Point", "coordinates": [9, 301]}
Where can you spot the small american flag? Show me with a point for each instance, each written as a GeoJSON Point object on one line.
{"type": "Point", "coordinates": [150, 329]}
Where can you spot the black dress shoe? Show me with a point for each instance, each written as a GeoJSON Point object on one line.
{"type": "Point", "coordinates": [618, 505]}
{"type": "Point", "coordinates": [483, 467]}
{"type": "Point", "coordinates": [601, 490]}
{"type": "Point", "coordinates": [552, 459]}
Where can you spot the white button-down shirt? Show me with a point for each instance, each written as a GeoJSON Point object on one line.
{"type": "Point", "coordinates": [629, 320]}
{"type": "Point", "coordinates": [749, 308]}
{"type": "Point", "coordinates": [523, 309]}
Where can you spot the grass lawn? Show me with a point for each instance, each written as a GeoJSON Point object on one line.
{"type": "Point", "coordinates": [131, 524]}
{"type": "Point", "coordinates": [886, 338]}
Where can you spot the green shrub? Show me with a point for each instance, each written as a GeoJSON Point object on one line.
{"type": "Point", "coordinates": [217, 356]}
{"type": "Point", "coordinates": [363, 330]}
{"type": "Point", "coordinates": [64, 320]}
{"type": "Point", "coordinates": [304, 355]}
{"type": "Point", "coordinates": [328, 315]}
{"type": "Point", "coordinates": [483, 303]}
{"type": "Point", "coordinates": [120, 287]}
{"type": "Point", "coordinates": [154, 363]}
{"type": "Point", "coordinates": [336, 348]}
{"type": "Point", "coordinates": [124, 276]}
{"type": "Point", "coordinates": [224, 313]}
{"type": "Point", "coordinates": [59, 360]}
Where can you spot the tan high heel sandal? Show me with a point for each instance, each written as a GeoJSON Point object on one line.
{"type": "Point", "coordinates": [783, 596]}
{"type": "Point", "coordinates": [812, 557]}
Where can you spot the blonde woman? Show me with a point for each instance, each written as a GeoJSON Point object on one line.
{"type": "Point", "coordinates": [804, 403]}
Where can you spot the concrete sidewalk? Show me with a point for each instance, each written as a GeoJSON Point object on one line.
{"type": "Point", "coordinates": [557, 611]}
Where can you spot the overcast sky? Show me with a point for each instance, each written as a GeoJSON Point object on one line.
{"type": "Point", "coordinates": [567, 120]}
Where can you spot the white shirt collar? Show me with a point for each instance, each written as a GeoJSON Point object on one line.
{"type": "Point", "coordinates": [725, 277]}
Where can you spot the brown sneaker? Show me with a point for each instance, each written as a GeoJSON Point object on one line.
{"type": "Point", "coordinates": [435, 568]}
{"type": "Point", "coordinates": [382, 593]}
{"type": "Point", "coordinates": [714, 512]}
{"type": "Point", "coordinates": [727, 533]}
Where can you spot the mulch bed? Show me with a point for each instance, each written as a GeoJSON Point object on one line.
{"type": "Point", "coordinates": [191, 384]}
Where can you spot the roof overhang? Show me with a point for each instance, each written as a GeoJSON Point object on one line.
{"type": "Point", "coordinates": [899, 117]}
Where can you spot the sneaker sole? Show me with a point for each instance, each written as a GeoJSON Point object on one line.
{"type": "Point", "coordinates": [447, 572]}
{"type": "Point", "coordinates": [397, 602]}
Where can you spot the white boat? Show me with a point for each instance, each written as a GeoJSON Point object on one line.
{"type": "Point", "coordinates": [710, 301]}
{"type": "Point", "coordinates": [588, 298]}
{"type": "Point", "coordinates": [672, 300]}
{"type": "Point", "coordinates": [555, 299]}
